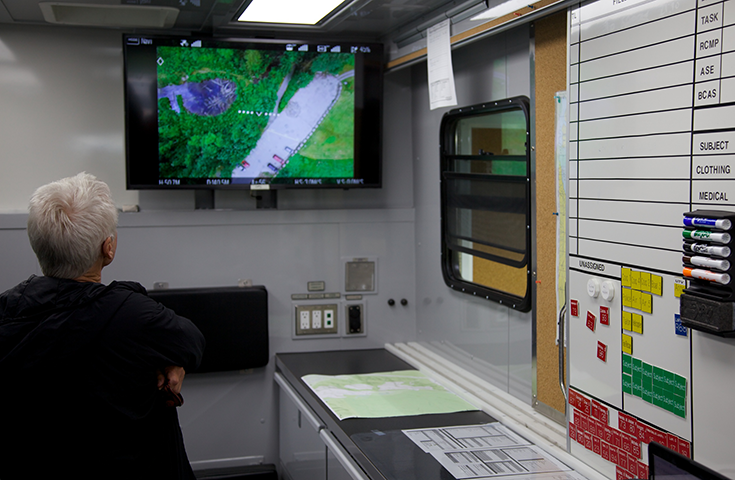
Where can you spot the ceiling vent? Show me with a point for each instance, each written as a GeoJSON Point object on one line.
{"type": "Point", "coordinates": [117, 16]}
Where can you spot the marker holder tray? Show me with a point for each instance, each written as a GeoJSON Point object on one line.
{"type": "Point", "coordinates": [709, 306]}
{"type": "Point", "coordinates": [707, 315]}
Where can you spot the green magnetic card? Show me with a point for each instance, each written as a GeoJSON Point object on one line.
{"type": "Point", "coordinates": [627, 384]}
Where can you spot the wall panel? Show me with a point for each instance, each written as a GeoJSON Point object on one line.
{"type": "Point", "coordinates": [487, 336]}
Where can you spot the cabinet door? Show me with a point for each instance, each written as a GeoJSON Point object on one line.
{"type": "Point", "coordinates": [340, 465]}
{"type": "Point", "coordinates": [302, 452]}
{"type": "Point", "coordinates": [335, 470]}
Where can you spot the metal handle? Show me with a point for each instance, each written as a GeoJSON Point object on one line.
{"type": "Point", "coordinates": [562, 316]}
{"type": "Point", "coordinates": [344, 459]}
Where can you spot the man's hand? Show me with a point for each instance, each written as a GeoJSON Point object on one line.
{"type": "Point", "coordinates": [172, 376]}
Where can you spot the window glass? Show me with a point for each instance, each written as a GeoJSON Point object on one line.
{"type": "Point", "coordinates": [486, 201]}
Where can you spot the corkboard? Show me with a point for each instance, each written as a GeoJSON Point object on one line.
{"type": "Point", "coordinates": [500, 277]}
{"type": "Point", "coordinates": [550, 74]}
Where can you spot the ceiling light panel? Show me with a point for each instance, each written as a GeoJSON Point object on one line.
{"type": "Point", "coordinates": [295, 12]}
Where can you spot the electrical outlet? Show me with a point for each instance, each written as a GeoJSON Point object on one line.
{"type": "Point", "coordinates": [314, 320]}
{"type": "Point", "coordinates": [304, 319]}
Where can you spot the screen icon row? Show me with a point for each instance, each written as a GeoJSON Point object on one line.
{"type": "Point", "coordinates": [290, 47]}
{"type": "Point", "coordinates": [295, 47]}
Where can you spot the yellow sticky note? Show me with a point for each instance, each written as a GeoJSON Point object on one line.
{"type": "Point", "coordinates": [637, 323]}
{"type": "Point", "coordinates": [657, 285]}
{"type": "Point", "coordinates": [625, 277]}
{"type": "Point", "coordinates": [679, 286]}
{"type": "Point", "coordinates": [645, 282]}
{"type": "Point", "coordinates": [635, 280]}
{"type": "Point", "coordinates": [627, 316]}
{"type": "Point", "coordinates": [627, 297]}
{"type": "Point", "coordinates": [647, 302]}
{"type": "Point", "coordinates": [627, 344]}
{"type": "Point", "coordinates": [635, 299]}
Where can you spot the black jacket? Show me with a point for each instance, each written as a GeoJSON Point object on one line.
{"type": "Point", "coordinates": [78, 372]}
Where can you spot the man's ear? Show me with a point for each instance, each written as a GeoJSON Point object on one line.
{"type": "Point", "coordinates": [108, 248]}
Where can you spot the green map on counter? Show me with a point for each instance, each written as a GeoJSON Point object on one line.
{"type": "Point", "coordinates": [386, 394]}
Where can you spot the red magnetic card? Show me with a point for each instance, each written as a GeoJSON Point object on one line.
{"type": "Point", "coordinates": [591, 320]}
{"type": "Point", "coordinates": [602, 351]}
{"type": "Point", "coordinates": [685, 448]}
{"type": "Point", "coordinates": [617, 438]}
{"type": "Point", "coordinates": [623, 460]}
{"type": "Point", "coordinates": [574, 307]}
{"type": "Point", "coordinates": [638, 469]}
{"type": "Point", "coordinates": [604, 315]}
{"type": "Point", "coordinates": [620, 474]}
{"type": "Point", "coordinates": [672, 441]}
{"type": "Point", "coordinates": [626, 443]}
{"type": "Point", "coordinates": [601, 429]}
{"type": "Point", "coordinates": [650, 434]}
{"type": "Point", "coordinates": [597, 445]}
{"type": "Point", "coordinates": [614, 454]}
{"type": "Point", "coordinates": [609, 434]}
{"type": "Point", "coordinates": [641, 432]}
{"type": "Point", "coordinates": [581, 420]}
{"type": "Point", "coordinates": [606, 451]}
{"type": "Point", "coordinates": [580, 401]}
{"type": "Point", "coordinates": [632, 427]}
{"type": "Point", "coordinates": [573, 398]}
{"type": "Point", "coordinates": [635, 449]}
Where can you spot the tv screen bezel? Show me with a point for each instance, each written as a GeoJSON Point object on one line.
{"type": "Point", "coordinates": [141, 118]}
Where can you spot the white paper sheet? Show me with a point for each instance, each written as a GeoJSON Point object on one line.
{"type": "Point", "coordinates": [439, 64]}
{"type": "Point", "coordinates": [489, 451]}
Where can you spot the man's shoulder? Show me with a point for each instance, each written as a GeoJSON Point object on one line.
{"type": "Point", "coordinates": [128, 286]}
{"type": "Point", "coordinates": [134, 298]}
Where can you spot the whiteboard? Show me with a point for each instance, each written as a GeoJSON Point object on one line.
{"type": "Point", "coordinates": [653, 136]}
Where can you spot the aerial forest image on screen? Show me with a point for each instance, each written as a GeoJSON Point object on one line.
{"type": "Point", "coordinates": [267, 115]}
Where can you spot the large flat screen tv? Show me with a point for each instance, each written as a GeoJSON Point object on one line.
{"type": "Point", "coordinates": [215, 113]}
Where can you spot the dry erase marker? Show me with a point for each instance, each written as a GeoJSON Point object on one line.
{"type": "Point", "coordinates": [721, 223]}
{"type": "Point", "coordinates": [707, 235]}
{"type": "Point", "coordinates": [707, 249]}
{"type": "Point", "coordinates": [707, 262]}
{"type": "Point", "coordinates": [722, 278]}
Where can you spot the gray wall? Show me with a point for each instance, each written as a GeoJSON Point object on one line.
{"type": "Point", "coordinates": [494, 339]}
{"type": "Point", "coordinates": [61, 112]}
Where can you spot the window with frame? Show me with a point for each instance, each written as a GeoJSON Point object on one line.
{"type": "Point", "coordinates": [486, 205]}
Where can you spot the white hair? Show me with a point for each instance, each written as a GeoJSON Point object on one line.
{"type": "Point", "coordinates": [67, 223]}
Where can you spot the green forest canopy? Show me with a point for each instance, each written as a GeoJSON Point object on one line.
{"type": "Point", "coordinates": [193, 146]}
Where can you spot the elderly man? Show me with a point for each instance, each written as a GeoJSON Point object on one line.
{"type": "Point", "coordinates": [90, 373]}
